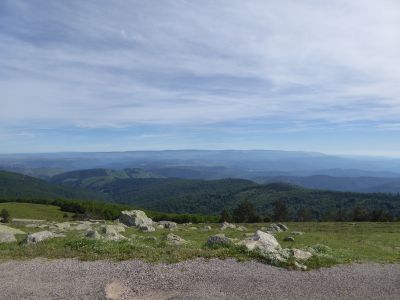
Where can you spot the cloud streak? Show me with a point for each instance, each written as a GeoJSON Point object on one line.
{"type": "Point", "coordinates": [101, 64]}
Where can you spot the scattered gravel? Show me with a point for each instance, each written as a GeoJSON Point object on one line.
{"type": "Point", "coordinates": [198, 279]}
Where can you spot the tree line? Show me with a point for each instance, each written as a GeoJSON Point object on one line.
{"type": "Point", "coordinates": [245, 212]}
{"type": "Point", "coordinates": [84, 210]}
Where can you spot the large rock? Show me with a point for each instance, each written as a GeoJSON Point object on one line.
{"type": "Point", "coordinates": [168, 224]}
{"type": "Point", "coordinates": [219, 240]}
{"type": "Point", "coordinates": [40, 236]}
{"type": "Point", "coordinates": [263, 241]}
{"type": "Point", "coordinates": [226, 225]}
{"type": "Point", "coordinates": [135, 218]}
{"type": "Point", "coordinates": [6, 237]}
{"type": "Point", "coordinates": [173, 239]}
{"type": "Point", "coordinates": [7, 229]}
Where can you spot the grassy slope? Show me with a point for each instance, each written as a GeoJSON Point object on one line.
{"type": "Point", "coordinates": [35, 211]}
{"type": "Point", "coordinates": [362, 242]}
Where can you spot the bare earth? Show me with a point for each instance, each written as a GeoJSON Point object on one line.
{"type": "Point", "coordinates": [199, 279]}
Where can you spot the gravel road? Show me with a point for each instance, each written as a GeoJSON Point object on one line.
{"type": "Point", "coordinates": [198, 279]}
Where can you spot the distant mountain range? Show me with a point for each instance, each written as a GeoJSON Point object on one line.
{"type": "Point", "coordinates": [353, 184]}
{"type": "Point", "coordinates": [235, 163]}
{"type": "Point", "coordinates": [306, 169]}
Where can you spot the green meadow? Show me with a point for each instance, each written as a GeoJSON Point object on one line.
{"type": "Point", "coordinates": [337, 242]}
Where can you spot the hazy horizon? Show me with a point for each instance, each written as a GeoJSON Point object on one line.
{"type": "Point", "coordinates": [117, 76]}
{"type": "Point", "coordinates": [199, 149]}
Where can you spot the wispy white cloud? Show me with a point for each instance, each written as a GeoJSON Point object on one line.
{"type": "Point", "coordinates": [118, 64]}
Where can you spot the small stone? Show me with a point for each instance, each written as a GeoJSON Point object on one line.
{"type": "Point", "coordinates": [111, 233]}
{"type": "Point", "coordinates": [283, 227]}
{"type": "Point", "coordinates": [297, 233]}
{"type": "Point", "coordinates": [168, 224]}
{"type": "Point", "coordinates": [174, 239]}
{"type": "Point", "coordinates": [300, 266]}
{"type": "Point", "coordinates": [219, 240]}
{"type": "Point", "coordinates": [227, 225]}
{"type": "Point", "coordinates": [301, 254]}
{"type": "Point", "coordinates": [147, 228]}
{"type": "Point", "coordinates": [289, 239]}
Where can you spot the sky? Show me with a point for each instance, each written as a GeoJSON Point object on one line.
{"type": "Point", "coordinates": [116, 75]}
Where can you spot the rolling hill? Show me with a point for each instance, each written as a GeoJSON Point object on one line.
{"type": "Point", "coordinates": [176, 195]}
{"type": "Point", "coordinates": [14, 185]}
{"type": "Point", "coordinates": [352, 184]}
{"type": "Point", "coordinates": [95, 179]}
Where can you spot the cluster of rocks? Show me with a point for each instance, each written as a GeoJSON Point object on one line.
{"type": "Point", "coordinates": [226, 225]}
{"type": "Point", "coordinates": [133, 218]}
{"type": "Point", "coordinates": [266, 244]}
{"type": "Point", "coordinates": [262, 241]}
{"type": "Point", "coordinates": [274, 228]}
{"type": "Point", "coordinates": [139, 219]}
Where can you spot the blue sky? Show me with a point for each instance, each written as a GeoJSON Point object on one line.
{"type": "Point", "coordinates": [135, 75]}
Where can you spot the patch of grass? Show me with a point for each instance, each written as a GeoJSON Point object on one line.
{"type": "Point", "coordinates": [334, 243]}
{"type": "Point", "coordinates": [35, 211]}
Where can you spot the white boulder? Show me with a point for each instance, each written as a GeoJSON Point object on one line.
{"type": "Point", "coordinates": [261, 240]}
{"type": "Point", "coordinates": [135, 218]}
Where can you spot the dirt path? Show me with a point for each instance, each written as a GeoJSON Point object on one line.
{"type": "Point", "coordinates": [199, 279]}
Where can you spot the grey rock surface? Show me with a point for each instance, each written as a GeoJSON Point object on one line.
{"type": "Point", "coordinates": [41, 236]}
{"type": "Point", "coordinates": [7, 237]}
{"type": "Point", "coordinates": [168, 224]}
{"type": "Point", "coordinates": [135, 218]}
{"type": "Point", "coordinates": [219, 240]}
{"type": "Point", "coordinates": [174, 239]}
{"type": "Point", "coordinates": [226, 225]}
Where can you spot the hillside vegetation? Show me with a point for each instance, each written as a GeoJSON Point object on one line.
{"type": "Point", "coordinates": [97, 178]}
{"type": "Point", "coordinates": [14, 185]}
{"type": "Point", "coordinates": [176, 195]}
{"type": "Point", "coordinates": [206, 197]}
